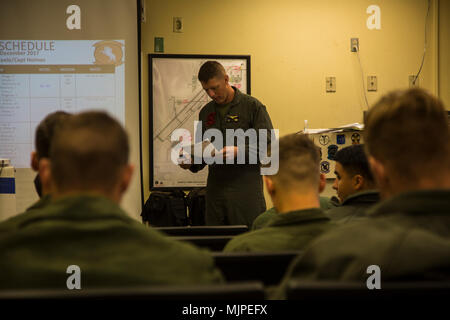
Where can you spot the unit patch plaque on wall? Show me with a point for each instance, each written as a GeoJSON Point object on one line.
{"type": "Point", "coordinates": [330, 143]}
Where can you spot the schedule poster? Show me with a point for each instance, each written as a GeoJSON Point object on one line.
{"type": "Point", "coordinates": [38, 77]}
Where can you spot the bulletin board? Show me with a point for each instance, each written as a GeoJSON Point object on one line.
{"type": "Point", "coordinates": [175, 100]}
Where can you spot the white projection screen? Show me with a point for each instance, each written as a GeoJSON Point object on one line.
{"type": "Point", "coordinates": [73, 56]}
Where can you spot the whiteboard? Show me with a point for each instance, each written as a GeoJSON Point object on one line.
{"type": "Point", "coordinates": [176, 98]}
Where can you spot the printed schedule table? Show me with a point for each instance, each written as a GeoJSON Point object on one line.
{"type": "Point", "coordinates": [29, 92]}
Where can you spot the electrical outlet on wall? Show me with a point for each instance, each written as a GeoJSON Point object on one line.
{"type": "Point", "coordinates": [178, 24]}
{"type": "Point", "coordinates": [330, 84]}
{"type": "Point", "coordinates": [372, 83]}
{"type": "Point", "coordinates": [354, 44]}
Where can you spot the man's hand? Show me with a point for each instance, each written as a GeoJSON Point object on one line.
{"type": "Point", "coordinates": [229, 152]}
{"type": "Point", "coordinates": [183, 162]}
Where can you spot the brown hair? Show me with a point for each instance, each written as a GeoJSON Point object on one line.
{"type": "Point", "coordinates": [299, 161]}
{"type": "Point", "coordinates": [88, 152]}
{"type": "Point", "coordinates": [209, 70]}
{"type": "Point", "coordinates": [408, 130]}
{"type": "Point", "coordinates": [45, 131]}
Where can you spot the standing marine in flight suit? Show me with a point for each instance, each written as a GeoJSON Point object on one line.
{"type": "Point", "coordinates": [234, 191]}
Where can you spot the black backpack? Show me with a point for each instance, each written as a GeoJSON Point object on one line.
{"type": "Point", "coordinates": [196, 203]}
{"type": "Point", "coordinates": [165, 209]}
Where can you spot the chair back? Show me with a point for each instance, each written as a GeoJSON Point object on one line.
{"type": "Point", "coordinates": [268, 267]}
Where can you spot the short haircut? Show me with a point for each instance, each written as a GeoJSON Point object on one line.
{"type": "Point", "coordinates": [354, 161]}
{"type": "Point", "coordinates": [408, 130]}
{"type": "Point", "coordinates": [45, 131]}
{"type": "Point", "coordinates": [299, 161]}
{"type": "Point", "coordinates": [88, 152]}
{"type": "Point", "coordinates": [209, 70]}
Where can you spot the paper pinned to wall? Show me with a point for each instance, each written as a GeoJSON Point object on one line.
{"type": "Point", "coordinates": [352, 126]}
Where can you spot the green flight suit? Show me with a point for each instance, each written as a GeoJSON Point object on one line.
{"type": "Point", "coordinates": [234, 192]}
{"type": "Point", "coordinates": [354, 207]}
{"type": "Point", "coordinates": [288, 231]}
{"type": "Point", "coordinates": [110, 248]}
{"type": "Point", "coordinates": [263, 218]}
{"type": "Point", "coordinates": [407, 236]}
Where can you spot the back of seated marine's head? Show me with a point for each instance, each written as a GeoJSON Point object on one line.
{"type": "Point", "coordinates": [407, 141]}
{"type": "Point", "coordinates": [298, 170]}
{"type": "Point", "coordinates": [89, 154]}
{"type": "Point", "coordinates": [45, 131]}
{"type": "Point", "coordinates": [298, 182]}
{"type": "Point", "coordinates": [299, 161]}
{"type": "Point", "coordinates": [42, 141]}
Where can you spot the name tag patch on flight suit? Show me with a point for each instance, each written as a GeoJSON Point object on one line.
{"type": "Point", "coordinates": [231, 118]}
